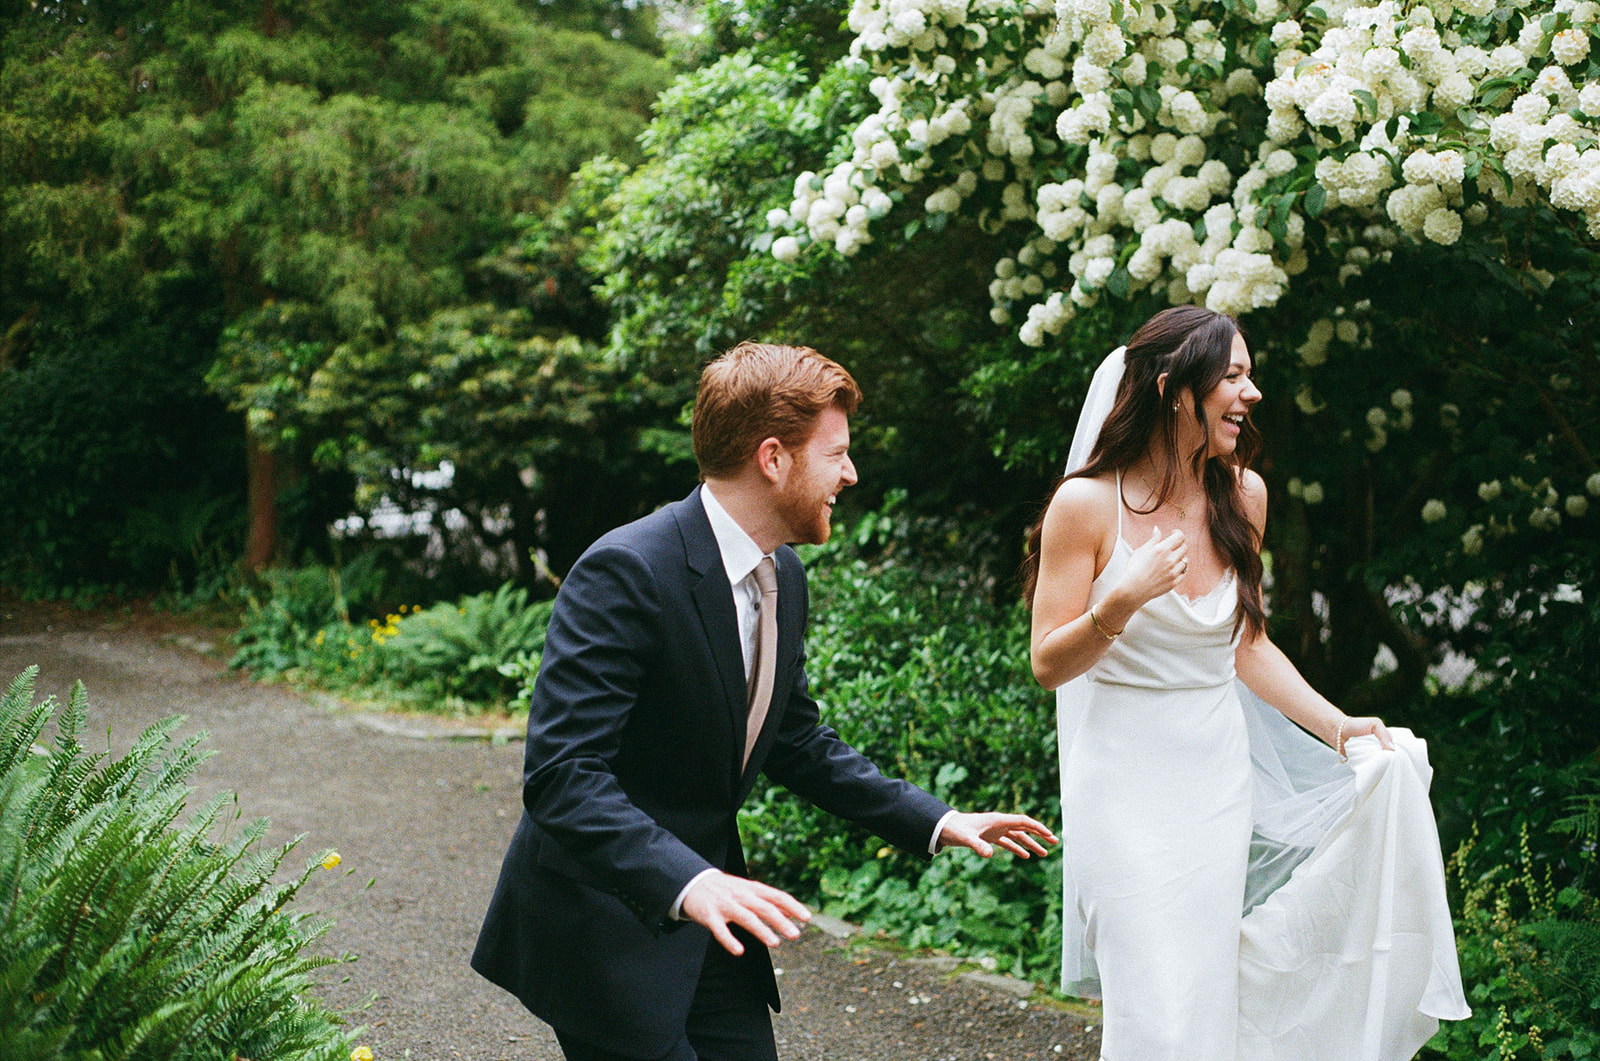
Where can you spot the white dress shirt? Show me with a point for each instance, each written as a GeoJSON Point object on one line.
{"type": "Point", "coordinates": [740, 555]}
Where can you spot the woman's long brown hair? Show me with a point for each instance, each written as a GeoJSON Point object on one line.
{"type": "Point", "coordinates": [1194, 347]}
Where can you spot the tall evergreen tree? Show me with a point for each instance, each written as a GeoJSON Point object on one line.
{"type": "Point", "coordinates": [313, 179]}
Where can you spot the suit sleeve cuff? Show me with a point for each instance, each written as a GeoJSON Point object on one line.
{"type": "Point", "coordinates": [675, 912]}
{"type": "Point", "coordinates": [933, 844]}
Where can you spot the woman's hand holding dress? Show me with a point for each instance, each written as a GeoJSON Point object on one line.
{"type": "Point", "coordinates": [1365, 725]}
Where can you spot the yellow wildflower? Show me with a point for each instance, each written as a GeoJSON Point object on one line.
{"type": "Point", "coordinates": [329, 861]}
{"type": "Point", "coordinates": [361, 1053]}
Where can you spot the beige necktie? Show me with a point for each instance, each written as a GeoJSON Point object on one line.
{"type": "Point", "coordinates": [765, 664]}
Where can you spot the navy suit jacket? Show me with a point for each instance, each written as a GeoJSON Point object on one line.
{"type": "Point", "coordinates": [632, 782]}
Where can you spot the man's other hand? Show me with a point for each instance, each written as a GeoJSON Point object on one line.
{"type": "Point", "coordinates": [980, 832]}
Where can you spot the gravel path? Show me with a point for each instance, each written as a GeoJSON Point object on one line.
{"type": "Point", "coordinates": [424, 813]}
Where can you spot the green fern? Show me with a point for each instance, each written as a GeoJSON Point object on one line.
{"type": "Point", "coordinates": [467, 644]}
{"type": "Point", "coordinates": [126, 936]}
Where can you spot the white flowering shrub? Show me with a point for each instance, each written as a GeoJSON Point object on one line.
{"type": "Point", "coordinates": [1127, 147]}
{"type": "Point", "coordinates": [1315, 168]}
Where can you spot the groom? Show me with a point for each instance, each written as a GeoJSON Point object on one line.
{"type": "Point", "coordinates": [673, 676]}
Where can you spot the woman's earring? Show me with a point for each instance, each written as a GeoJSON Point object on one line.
{"type": "Point", "coordinates": [1175, 406]}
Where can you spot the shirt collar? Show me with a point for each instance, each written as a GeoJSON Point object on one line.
{"type": "Point", "coordinates": [740, 553]}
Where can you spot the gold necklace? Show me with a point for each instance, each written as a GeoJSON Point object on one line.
{"type": "Point", "coordinates": [1183, 511]}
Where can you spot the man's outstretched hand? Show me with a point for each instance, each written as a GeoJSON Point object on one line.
{"type": "Point", "coordinates": [981, 832]}
{"type": "Point", "coordinates": [719, 899]}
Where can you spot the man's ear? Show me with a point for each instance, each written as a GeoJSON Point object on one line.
{"type": "Point", "coordinates": [772, 460]}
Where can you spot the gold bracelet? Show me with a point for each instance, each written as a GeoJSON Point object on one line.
{"type": "Point", "coordinates": [1109, 635]}
{"type": "Point", "coordinates": [1338, 742]}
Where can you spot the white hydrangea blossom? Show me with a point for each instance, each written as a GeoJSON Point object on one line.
{"type": "Point", "coordinates": [1570, 47]}
{"type": "Point", "coordinates": [983, 105]}
{"type": "Point", "coordinates": [1544, 518]}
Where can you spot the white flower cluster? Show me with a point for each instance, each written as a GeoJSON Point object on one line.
{"type": "Point", "coordinates": [836, 208]}
{"type": "Point", "coordinates": [1379, 62]}
{"type": "Point", "coordinates": [1380, 421]}
{"type": "Point", "coordinates": [918, 25]}
{"type": "Point", "coordinates": [1098, 133]}
{"type": "Point", "coordinates": [1541, 501]}
{"type": "Point", "coordinates": [1310, 493]}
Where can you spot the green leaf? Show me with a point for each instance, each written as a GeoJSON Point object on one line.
{"type": "Point", "coordinates": [1118, 283]}
{"type": "Point", "coordinates": [1316, 198]}
{"type": "Point", "coordinates": [1426, 123]}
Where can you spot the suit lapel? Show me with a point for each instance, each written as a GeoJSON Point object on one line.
{"type": "Point", "coordinates": [713, 600]}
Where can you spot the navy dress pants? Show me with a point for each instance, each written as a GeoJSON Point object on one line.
{"type": "Point", "coordinates": [728, 1019]}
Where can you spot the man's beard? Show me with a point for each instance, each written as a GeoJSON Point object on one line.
{"type": "Point", "coordinates": [805, 517]}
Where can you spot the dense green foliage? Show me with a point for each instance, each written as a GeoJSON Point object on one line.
{"type": "Point", "coordinates": [307, 207]}
{"type": "Point", "coordinates": [329, 626]}
{"type": "Point", "coordinates": [471, 650]}
{"type": "Point", "coordinates": [916, 667]}
{"type": "Point", "coordinates": [116, 466]}
{"type": "Point", "coordinates": [126, 936]}
{"type": "Point", "coordinates": [1530, 957]}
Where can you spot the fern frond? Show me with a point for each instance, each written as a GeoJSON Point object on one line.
{"type": "Point", "coordinates": [121, 776]}
{"type": "Point", "coordinates": [22, 723]}
{"type": "Point", "coordinates": [125, 937]}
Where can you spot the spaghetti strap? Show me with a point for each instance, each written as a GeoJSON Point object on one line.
{"type": "Point", "coordinates": [1119, 504]}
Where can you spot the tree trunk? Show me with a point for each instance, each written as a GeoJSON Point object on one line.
{"type": "Point", "coordinates": [261, 542]}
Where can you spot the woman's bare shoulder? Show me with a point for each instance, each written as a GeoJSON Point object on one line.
{"type": "Point", "coordinates": [1084, 504]}
{"type": "Point", "coordinates": [1252, 484]}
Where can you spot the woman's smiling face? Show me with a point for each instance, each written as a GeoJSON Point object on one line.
{"type": "Point", "coordinates": [1226, 406]}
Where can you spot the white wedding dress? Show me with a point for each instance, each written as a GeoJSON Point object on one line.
{"type": "Point", "coordinates": [1176, 801]}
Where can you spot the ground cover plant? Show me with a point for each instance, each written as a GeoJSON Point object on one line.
{"type": "Point", "coordinates": [1530, 956]}
{"type": "Point", "coordinates": [126, 936]}
{"type": "Point", "coordinates": [329, 627]}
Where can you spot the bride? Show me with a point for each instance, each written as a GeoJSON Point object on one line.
{"type": "Point", "coordinates": [1234, 888]}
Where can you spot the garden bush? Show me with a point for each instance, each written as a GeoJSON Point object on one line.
{"type": "Point", "coordinates": [916, 665]}
{"type": "Point", "coordinates": [474, 649]}
{"type": "Point", "coordinates": [327, 626]}
{"type": "Point", "coordinates": [125, 937]}
{"type": "Point", "coordinates": [286, 624]}
{"type": "Point", "coordinates": [1530, 958]}
{"type": "Point", "coordinates": [118, 471]}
